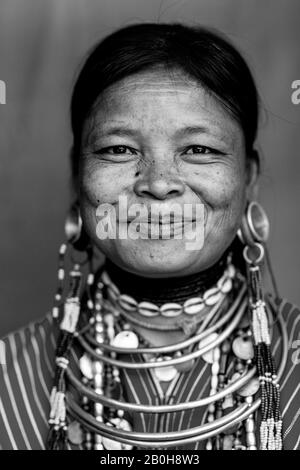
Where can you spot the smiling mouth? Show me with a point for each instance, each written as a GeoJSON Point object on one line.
{"type": "Point", "coordinates": [159, 230]}
{"type": "Point", "coordinates": [159, 220]}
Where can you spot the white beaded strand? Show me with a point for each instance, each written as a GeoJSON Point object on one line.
{"type": "Point", "coordinates": [98, 366]}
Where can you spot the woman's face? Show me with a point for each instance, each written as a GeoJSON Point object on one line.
{"type": "Point", "coordinates": [158, 137]}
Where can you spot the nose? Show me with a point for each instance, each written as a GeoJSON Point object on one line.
{"type": "Point", "coordinates": [159, 182]}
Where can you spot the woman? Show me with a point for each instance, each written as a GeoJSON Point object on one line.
{"type": "Point", "coordinates": [170, 342]}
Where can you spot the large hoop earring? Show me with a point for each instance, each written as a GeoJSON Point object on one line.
{"type": "Point", "coordinates": [255, 225]}
{"type": "Point", "coordinates": [76, 240]}
{"type": "Point", "coordinates": [74, 230]}
{"type": "Point", "coordinates": [73, 224]}
{"type": "Point", "coordinates": [254, 233]}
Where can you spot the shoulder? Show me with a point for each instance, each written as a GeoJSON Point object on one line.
{"type": "Point", "coordinates": [34, 338]}
{"type": "Point", "coordinates": [286, 342]}
{"type": "Point", "coordinates": [26, 375]}
{"type": "Point", "coordinates": [288, 315]}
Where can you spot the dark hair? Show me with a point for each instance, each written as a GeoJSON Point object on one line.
{"type": "Point", "coordinates": [201, 53]}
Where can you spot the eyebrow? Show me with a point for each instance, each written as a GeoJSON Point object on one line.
{"type": "Point", "coordinates": [191, 130]}
{"type": "Point", "coordinates": [120, 131]}
{"type": "Point", "coordinates": [94, 134]}
{"type": "Point", "coordinates": [128, 131]}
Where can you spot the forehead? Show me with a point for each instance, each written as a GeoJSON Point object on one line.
{"type": "Point", "coordinates": [160, 97]}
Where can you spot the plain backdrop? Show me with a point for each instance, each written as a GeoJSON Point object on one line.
{"type": "Point", "coordinates": [42, 44]}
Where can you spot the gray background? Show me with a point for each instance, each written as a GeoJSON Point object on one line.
{"type": "Point", "coordinates": [42, 44]}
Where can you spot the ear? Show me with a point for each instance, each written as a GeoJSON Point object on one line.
{"type": "Point", "coordinates": [252, 169]}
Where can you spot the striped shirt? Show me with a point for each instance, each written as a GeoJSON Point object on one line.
{"type": "Point", "coordinates": [26, 378]}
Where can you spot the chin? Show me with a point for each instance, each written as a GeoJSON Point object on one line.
{"type": "Point", "coordinates": [157, 258]}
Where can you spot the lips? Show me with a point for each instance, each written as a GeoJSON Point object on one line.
{"type": "Point", "coordinates": [161, 215]}
{"type": "Point", "coordinates": [160, 219]}
{"type": "Point", "coordinates": [165, 221]}
{"type": "Point", "coordinates": [163, 230]}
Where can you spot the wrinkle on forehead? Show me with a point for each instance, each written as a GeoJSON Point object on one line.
{"type": "Point", "coordinates": [158, 80]}
{"type": "Point", "coordinates": [161, 77]}
{"type": "Point", "coordinates": [134, 98]}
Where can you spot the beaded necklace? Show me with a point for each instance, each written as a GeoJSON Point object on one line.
{"type": "Point", "coordinates": [231, 400]}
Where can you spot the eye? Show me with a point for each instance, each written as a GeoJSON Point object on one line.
{"type": "Point", "coordinates": [117, 150]}
{"type": "Point", "coordinates": [201, 149]}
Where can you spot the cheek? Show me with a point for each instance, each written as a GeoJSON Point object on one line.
{"type": "Point", "coordinates": [102, 183]}
{"type": "Point", "coordinates": [222, 190]}
{"type": "Point", "coordinates": [220, 187]}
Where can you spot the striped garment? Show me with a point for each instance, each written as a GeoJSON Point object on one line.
{"type": "Point", "coordinates": [26, 380]}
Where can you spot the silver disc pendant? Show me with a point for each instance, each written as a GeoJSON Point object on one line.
{"type": "Point", "coordinates": [86, 366]}
{"type": "Point", "coordinates": [208, 356]}
{"type": "Point", "coordinates": [243, 348]}
{"type": "Point", "coordinates": [165, 374]}
{"type": "Point", "coordinates": [110, 444]}
{"type": "Point", "coordinates": [75, 434]}
{"type": "Point", "coordinates": [122, 424]}
{"type": "Point", "coordinates": [126, 340]}
{"type": "Point", "coordinates": [228, 442]}
{"type": "Point", "coordinates": [250, 388]}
